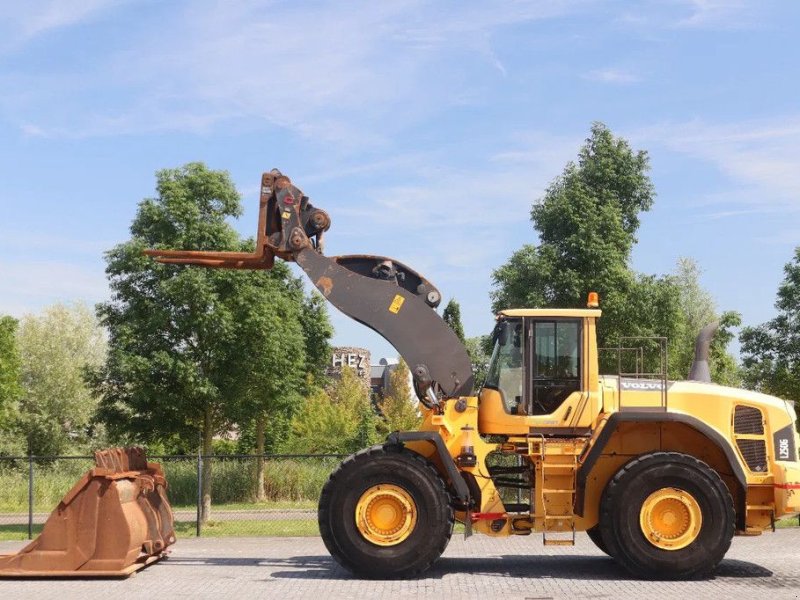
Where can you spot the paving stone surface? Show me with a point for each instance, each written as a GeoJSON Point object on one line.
{"type": "Point", "coordinates": [481, 567]}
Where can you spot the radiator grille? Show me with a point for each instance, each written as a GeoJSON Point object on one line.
{"type": "Point", "coordinates": [754, 453]}
{"type": "Point", "coordinates": [748, 421]}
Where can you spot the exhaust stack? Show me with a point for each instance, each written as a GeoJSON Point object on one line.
{"type": "Point", "coordinates": [700, 370]}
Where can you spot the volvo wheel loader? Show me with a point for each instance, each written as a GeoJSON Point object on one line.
{"type": "Point", "coordinates": [660, 474]}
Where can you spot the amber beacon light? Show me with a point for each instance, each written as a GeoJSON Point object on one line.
{"type": "Point", "coordinates": [593, 301]}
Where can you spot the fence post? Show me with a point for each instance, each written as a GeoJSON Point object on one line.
{"type": "Point", "coordinates": [30, 494]}
{"type": "Point", "coordinates": [199, 488]}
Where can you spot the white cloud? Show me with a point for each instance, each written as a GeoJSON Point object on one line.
{"type": "Point", "coordinates": [761, 158]}
{"type": "Point", "coordinates": [354, 77]}
{"type": "Point", "coordinates": [29, 285]}
{"type": "Point", "coordinates": [12, 241]}
{"type": "Point", "coordinates": [718, 13]}
{"type": "Point", "coordinates": [454, 223]}
{"type": "Point", "coordinates": [25, 20]}
{"type": "Point", "coordinates": [656, 15]}
{"type": "Point", "coordinates": [612, 75]}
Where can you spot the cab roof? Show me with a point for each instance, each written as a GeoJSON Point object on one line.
{"type": "Point", "coordinates": [551, 312]}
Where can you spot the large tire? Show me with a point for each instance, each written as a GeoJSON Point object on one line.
{"type": "Point", "coordinates": [625, 501]}
{"type": "Point", "coordinates": [394, 467]}
{"type": "Point", "coordinates": [597, 539]}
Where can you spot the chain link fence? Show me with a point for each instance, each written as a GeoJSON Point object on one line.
{"type": "Point", "coordinates": [250, 495]}
{"type": "Point", "coordinates": [218, 495]}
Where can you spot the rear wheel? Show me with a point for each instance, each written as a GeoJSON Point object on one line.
{"type": "Point", "coordinates": [667, 516]}
{"type": "Point", "coordinates": [385, 513]}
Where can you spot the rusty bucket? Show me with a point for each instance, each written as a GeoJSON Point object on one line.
{"type": "Point", "coordinates": [113, 522]}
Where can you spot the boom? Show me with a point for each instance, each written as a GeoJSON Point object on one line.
{"type": "Point", "coordinates": [379, 292]}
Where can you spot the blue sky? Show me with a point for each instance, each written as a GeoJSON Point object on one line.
{"type": "Point", "coordinates": [426, 129]}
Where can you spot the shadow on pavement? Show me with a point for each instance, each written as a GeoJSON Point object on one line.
{"type": "Point", "coordinates": [597, 568]}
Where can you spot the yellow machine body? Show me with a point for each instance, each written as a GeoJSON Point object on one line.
{"type": "Point", "coordinates": [732, 430]}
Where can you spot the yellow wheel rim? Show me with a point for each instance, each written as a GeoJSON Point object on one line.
{"type": "Point", "coordinates": [386, 515]}
{"type": "Point", "coordinates": [671, 519]}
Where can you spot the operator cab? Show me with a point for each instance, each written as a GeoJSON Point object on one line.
{"type": "Point", "coordinates": [542, 372]}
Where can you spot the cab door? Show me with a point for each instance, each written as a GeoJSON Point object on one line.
{"type": "Point", "coordinates": [555, 395]}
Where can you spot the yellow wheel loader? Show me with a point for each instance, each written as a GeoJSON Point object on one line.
{"type": "Point", "coordinates": [660, 474]}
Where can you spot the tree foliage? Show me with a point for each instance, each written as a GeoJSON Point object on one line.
{"type": "Point", "coordinates": [398, 407]}
{"type": "Point", "coordinates": [173, 329]}
{"type": "Point", "coordinates": [56, 405]}
{"type": "Point", "coordinates": [193, 350]}
{"type": "Point", "coordinates": [771, 351]}
{"type": "Point", "coordinates": [587, 223]}
{"type": "Point", "coordinates": [337, 420]}
{"type": "Point", "coordinates": [698, 309]}
{"type": "Point", "coordinates": [318, 331]}
{"type": "Point", "coordinates": [452, 316]}
{"type": "Point", "coordinates": [10, 388]}
{"type": "Point", "coordinates": [479, 352]}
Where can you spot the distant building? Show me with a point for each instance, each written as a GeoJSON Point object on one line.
{"type": "Point", "coordinates": [357, 359]}
{"type": "Point", "coordinates": [380, 373]}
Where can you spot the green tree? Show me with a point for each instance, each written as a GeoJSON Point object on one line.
{"type": "Point", "coordinates": [317, 330]}
{"type": "Point", "coordinates": [452, 316]}
{"type": "Point", "coordinates": [698, 309]}
{"type": "Point", "coordinates": [268, 311]}
{"type": "Point", "coordinates": [57, 406]}
{"type": "Point", "coordinates": [587, 223]}
{"type": "Point", "coordinates": [479, 350]}
{"type": "Point", "coordinates": [10, 389]}
{"type": "Point", "coordinates": [771, 351]}
{"type": "Point", "coordinates": [338, 420]}
{"type": "Point", "coordinates": [192, 349]}
{"type": "Point", "coordinates": [397, 407]}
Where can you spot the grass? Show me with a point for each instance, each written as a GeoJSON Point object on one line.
{"type": "Point", "coordinates": [187, 529]}
{"type": "Point", "coordinates": [17, 532]}
{"type": "Point", "coordinates": [52, 481]}
{"type": "Point", "coordinates": [787, 523]}
{"type": "Point", "coordinates": [288, 483]}
{"type": "Point", "coordinates": [288, 528]}
{"type": "Point", "coordinates": [247, 506]}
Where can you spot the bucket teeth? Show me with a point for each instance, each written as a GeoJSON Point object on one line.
{"type": "Point", "coordinates": [114, 521]}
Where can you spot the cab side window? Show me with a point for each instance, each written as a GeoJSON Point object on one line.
{"type": "Point", "coordinates": [555, 366]}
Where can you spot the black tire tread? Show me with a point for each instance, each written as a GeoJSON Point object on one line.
{"type": "Point", "coordinates": [597, 539]}
{"type": "Point", "coordinates": [610, 499]}
{"type": "Point", "coordinates": [352, 461]}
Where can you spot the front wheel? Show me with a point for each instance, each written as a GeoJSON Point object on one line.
{"type": "Point", "coordinates": [385, 513]}
{"type": "Point", "coordinates": [667, 515]}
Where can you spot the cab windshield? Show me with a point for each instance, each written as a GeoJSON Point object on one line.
{"type": "Point", "coordinates": [506, 370]}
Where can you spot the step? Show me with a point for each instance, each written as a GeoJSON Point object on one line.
{"type": "Point", "coordinates": [557, 491]}
{"type": "Point", "coordinates": [562, 466]}
{"type": "Point", "coordinates": [550, 542]}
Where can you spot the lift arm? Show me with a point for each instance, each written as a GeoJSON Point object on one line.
{"type": "Point", "coordinates": [381, 293]}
